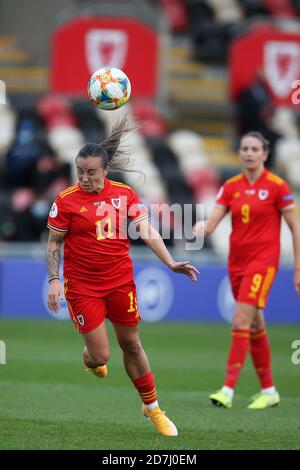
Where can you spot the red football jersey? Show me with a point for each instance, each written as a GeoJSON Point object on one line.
{"type": "Point", "coordinates": [256, 219]}
{"type": "Point", "coordinates": [96, 246]}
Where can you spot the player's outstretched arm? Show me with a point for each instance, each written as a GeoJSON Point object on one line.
{"type": "Point", "coordinates": [153, 240]}
{"type": "Point", "coordinates": [206, 227]}
{"type": "Point", "coordinates": [291, 219]}
{"type": "Point", "coordinates": [55, 292]}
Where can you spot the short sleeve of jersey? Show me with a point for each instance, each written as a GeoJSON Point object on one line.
{"type": "Point", "coordinates": [59, 219]}
{"type": "Point", "coordinates": [222, 199]}
{"type": "Point", "coordinates": [285, 198]}
{"type": "Point", "coordinates": [136, 210]}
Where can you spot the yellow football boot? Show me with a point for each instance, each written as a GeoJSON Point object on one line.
{"type": "Point", "coordinates": [163, 424]}
{"type": "Point", "coordinates": [221, 398]}
{"type": "Point", "coordinates": [260, 401]}
{"type": "Point", "coordinates": [100, 371]}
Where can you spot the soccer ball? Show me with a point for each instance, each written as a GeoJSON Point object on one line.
{"type": "Point", "coordinates": [109, 88]}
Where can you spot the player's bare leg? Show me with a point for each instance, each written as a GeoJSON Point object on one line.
{"type": "Point", "coordinates": [258, 322]}
{"type": "Point", "coordinates": [135, 360]}
{"type": "Point", "coordinates": [243, 316]}
{"type": "Point", "coordinates": [96, 351]}
{"type": "Point", "coordinates": [138, 369]}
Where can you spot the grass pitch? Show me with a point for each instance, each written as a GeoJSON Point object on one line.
{"type": "Point", "coordinates": [48, 401]}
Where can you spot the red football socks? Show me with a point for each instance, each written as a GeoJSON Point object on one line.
{"type": "Point", "coordinates": [146, 387]}
{"type": "Point", "coordinates": [237, 356]}
{"type": "Point", "coordinates": [261, 357]}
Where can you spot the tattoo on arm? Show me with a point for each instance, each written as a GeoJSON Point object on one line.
{"type": "Point", "coordinates": [53, 253]}
{"type": "Point", "coordinates": [55, 238]}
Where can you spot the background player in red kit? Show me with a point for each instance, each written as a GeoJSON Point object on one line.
{"type": "Point", "coordinates": [256, 199]}
{"type": "Point", "coordinates": [90, 218]}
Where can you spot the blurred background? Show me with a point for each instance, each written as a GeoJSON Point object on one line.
{"type": "Point", "coordinates": [203, 72]}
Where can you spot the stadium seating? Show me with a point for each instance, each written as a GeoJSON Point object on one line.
{"type": "Point", "coordinates": [185, 149]}
{"type": "Point", "coordinates": [176, 13]}
{"type": "Point", "coordinates": [280, 8]}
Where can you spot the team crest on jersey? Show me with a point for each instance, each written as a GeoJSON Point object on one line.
{"type": "Point", "coordinates": [80, 319]}
{"type": "Point", "coordinates": [116, 202]}
{"type": "Point", "coordinates": [263, 194]}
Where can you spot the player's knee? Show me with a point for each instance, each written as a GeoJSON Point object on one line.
{"type": "Point", "coordinates": [132, 348]}
{"type": "Point", "coordinates": [240, 322]}
{"type": "Point", "coordinates": [240, 325]}
{"type": "Point", "coordinates": [256, 329]}
{"type": "Point", "coordinates": [243, 317]}
{"type": "Point", "coordinates": [98, 360]}
{"type": "Point", "coordinates": [257, 325]}
{"type": "Point", "coordinates": [254, 326]}
{"type": "Point", "coordinates": [95, 358]}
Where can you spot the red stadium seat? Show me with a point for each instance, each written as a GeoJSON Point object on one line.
{"type": "Point", "coordinates": [153, 128]}
{"type": "Point", "coordinates": [50, 105]}
{"type": "Point", "coordinates": [203, 182]}
{"type": "Point", "coordinates": [176, 13]}
{"type": "Point", "coordinates": [280, 8]}
{"type": "Point", "coordinates": [58, 120]}
{"type": "Point", "coordinates": [153, 123]}
{"type": "Point", "coordinates": [56, 111]}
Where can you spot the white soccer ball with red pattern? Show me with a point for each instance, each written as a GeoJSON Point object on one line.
{"type": "Point", "coordinates": [109, 88]}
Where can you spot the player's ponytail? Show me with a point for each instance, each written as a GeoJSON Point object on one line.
{"type": "Point", "coordinates": [113, 153]}
{"type": "Point", "coordinates": [118, 154]}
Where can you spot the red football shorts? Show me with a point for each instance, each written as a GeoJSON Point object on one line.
{"type": "Point", "coordinates": [119, 306]}
{"type": "Point", "coordinates": [253, 288]}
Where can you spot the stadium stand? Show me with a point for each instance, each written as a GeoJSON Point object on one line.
{"type": "Point", "coordinates": [185, 147]}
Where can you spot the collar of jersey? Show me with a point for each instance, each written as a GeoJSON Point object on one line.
{"type": "Point", "coordinates": [262, 176]}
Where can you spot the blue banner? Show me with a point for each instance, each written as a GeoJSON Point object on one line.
{"type": "Point", "coordinates": [162, 294]}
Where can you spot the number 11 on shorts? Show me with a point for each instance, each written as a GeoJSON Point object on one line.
{"type": "Point", "coordinates": [132, 302]}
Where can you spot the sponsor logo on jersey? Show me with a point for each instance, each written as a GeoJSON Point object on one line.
{"type": "Point", "coordinates": [99, 203]}
{"type": "Point", "coordinates": [252, 295]}
{"type": "Point", "coordinates": [54, 210]}
{"type": "Point", "coordinates": [83, 209]}
{"type": "Point", "coordinates": [80, 319]}
{"type": "Point", "coordinates": [250, 192]}
{"type": "Point", "coordinates": [263, 194]}
{"type": "Point", "coordinates": [237, 194]}
{"type": "Point", "coordinates": [116, 202]}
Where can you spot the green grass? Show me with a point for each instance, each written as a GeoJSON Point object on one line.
{"type": "Point", "coordinates": [48, 401]}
